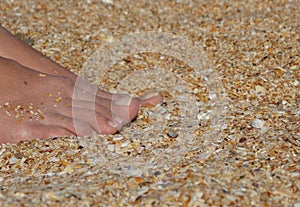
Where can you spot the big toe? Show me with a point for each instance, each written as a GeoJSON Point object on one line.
{"type": "Point", "coordinates": [152, 98]}
{"type": "Point", "coordinates": [125, 108]}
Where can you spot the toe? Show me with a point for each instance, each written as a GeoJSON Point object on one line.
{"type": "Point", "coordinates": [109, 127]}
{"type": "Point", "coordinates": [75, 125]}
{"type": "Point", "coordinates": [152, 98]}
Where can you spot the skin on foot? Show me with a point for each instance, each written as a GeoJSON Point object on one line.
{"type": "Point", "coordinates": [42, 99]}
{"type": "Point", "coordinates": [40, 105]}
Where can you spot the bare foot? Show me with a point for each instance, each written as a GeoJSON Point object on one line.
{"type": "Point", "coordinates": [40, 105]}
{"type": "Point", "coordinates": [40, 98]}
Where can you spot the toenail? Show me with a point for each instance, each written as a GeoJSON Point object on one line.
{"type": "Point", "coordinates": [118, 120]}
{"type": "Point", "coordinates": [123, 101]}
{"type": "Point", "coordinates": [112, 124]}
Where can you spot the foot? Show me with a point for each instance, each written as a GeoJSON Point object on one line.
{"type": "Point", "coordinates": [37, 104]}
{"type": "Point", "coordinates": [15, 49]}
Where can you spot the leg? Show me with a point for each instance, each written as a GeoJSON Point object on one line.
{"type": "Point", "coordinates": [15, 49]}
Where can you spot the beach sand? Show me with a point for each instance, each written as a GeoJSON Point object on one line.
{"type": "Point", "coordinates": [227, 133]}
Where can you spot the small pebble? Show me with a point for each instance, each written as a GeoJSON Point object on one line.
{"type": "Point", "coordinates": [172, 133]}
{"type": "Point", "coordinates": [111, 147]}
{"type": "Point", "coordinates": [125, 144]}
{"type": "Point", "coordinates": [107, 1]}
{"type": "Point", "coordinates": [29, 41]}
{"type": "Point", "coordinates": [295, 83]}
{"type": "Point", "coordinates": [13, 160]}
{"type": "Point", "coordinates": [212, 96]}
{"type": "Point", "coordinates": [118, 138]}
{"type": "Point", "coordinates": [128, 125]}
{"type": "Point", "coordinates": [260, 89]}
{"type": "Point", "coordinates": [225, 191]}
{"type": "Point", "coordinates": [54, 159]}
{"type": "Point", "coordinates": [297, 204]}
{"type": "Point", "coordinates": [257, 123]}
{"type": "Point", "coordinates": [244, 139]}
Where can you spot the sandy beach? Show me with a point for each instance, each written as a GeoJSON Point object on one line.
{"type": "Point", "coordinates": [226, 134]}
